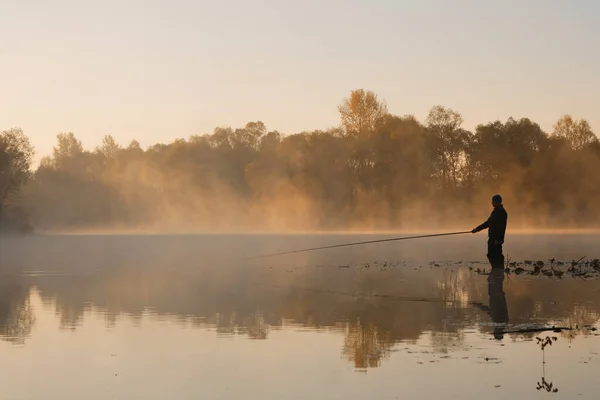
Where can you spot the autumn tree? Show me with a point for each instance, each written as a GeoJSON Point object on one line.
{"type": "Point", "coordinates": [250, 135]}
{"type": "Point", "coordinates": [67, 153]}
{"type": "Point", "coordinates": [361, 112]}
{"type": "Point", "coordinates": [449, 143]}
{"type": "Point", "coordinates": [498, 146]}
{"type": "Point", "coordinates": [109, 147]}
{"type": "Point", "coordinates": [134, 145]}
{"type": "Point", "coordinates": [578, 133]}
{"type": "Point", "coordinates": [400, 145]}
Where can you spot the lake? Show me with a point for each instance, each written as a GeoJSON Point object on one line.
{"type": "Point", "coordinates": [190, 317]}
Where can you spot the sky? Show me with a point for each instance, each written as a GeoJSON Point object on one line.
{"type": "Point", "coordinates": [161, 70]}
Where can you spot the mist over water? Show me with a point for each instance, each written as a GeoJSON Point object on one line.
{"type": "Point", "coordinates": [376, 172]}
{"type": "Point", "coordinates": [149, 316]}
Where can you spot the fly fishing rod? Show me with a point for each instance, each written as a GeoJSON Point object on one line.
{"type": "Point", "coordinates": [358, 243]}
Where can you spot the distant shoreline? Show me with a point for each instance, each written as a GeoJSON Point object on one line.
{"type": "Point", "coordinates": [149, 232]}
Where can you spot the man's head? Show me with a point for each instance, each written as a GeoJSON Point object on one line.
{"type": "Point", "coordinates": [497, 200]}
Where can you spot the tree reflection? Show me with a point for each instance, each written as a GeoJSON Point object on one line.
{"type": "Point", "coordinates": [377, 307]}
{"type": "Point", "coordinates": [253, 326]}
{"type": "Point", "coordinates": [16, 313]}
{"type": "Point", "coordinates": [365, 346]}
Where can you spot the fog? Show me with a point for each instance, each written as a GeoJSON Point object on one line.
{"type": "Point", "coordinates": [376, 172]}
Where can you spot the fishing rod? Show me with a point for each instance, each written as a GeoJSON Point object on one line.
{"type": "Point", "coordinates": [358, 243]}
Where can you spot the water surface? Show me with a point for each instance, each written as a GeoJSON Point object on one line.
{"type": "Point", "coordinates": [187, 317]}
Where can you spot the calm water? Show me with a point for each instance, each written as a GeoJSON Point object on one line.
{"type": "Point", "coordinates": [186, 317]}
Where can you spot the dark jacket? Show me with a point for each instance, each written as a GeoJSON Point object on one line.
{"type": "Point", "coordinates": [496, 224]}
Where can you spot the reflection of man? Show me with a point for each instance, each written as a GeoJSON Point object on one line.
{"type": "Point", "coordinates": [497, 301]}
{"type": "Point", "coordinates": [498, 308]}
{"type": "Point", "coordinates": [496, 226]}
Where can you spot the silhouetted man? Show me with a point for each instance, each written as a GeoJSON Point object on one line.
{"type": "Point", "coordinates": [496, 226]}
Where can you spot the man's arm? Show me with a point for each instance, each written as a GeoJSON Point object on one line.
{"type": "Point", "coordinates": [485, 225]}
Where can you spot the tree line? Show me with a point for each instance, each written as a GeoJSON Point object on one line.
{"type": "Point", "coordinates": [376, 170]}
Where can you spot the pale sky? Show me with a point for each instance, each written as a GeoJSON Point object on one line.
{"type": "Point", "coordinates": [161, 70]}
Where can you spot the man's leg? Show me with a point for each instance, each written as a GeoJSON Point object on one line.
{"type": "Point", "coordinates": [490, 249]}
{"type": "Point", "coordinates": [495, 255]}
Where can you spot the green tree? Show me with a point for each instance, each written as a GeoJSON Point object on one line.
{"type": "Point", "coordinates": [16, 154]}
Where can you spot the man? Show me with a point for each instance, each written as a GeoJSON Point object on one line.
{"type": "Point", "coordinates": [496, 226]}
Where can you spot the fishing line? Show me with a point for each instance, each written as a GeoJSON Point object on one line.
{"type": "Point", "coordinates": [358, 243]}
